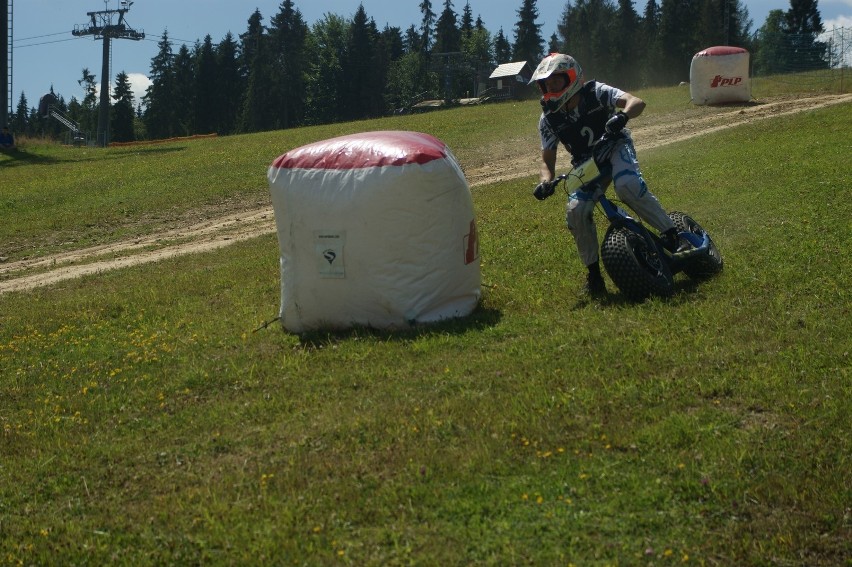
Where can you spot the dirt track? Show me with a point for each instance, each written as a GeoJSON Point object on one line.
{"type": "Point", "coordinates": [516, 159]}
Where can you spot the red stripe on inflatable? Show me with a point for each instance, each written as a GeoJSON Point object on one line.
{"type": "Point", "coordinates": [366, 149]}
{"type": "Point", "coordinates": [721, 50]}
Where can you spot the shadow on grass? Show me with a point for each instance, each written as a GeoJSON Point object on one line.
{"type": "Point", "coordinates": [23, 157]}
{"type": "Point", "coordinates": [683, 290]}
{"type": "Point", "coordinates": [481, 318]}
{"type": "Point", "coordinates": [131, 152]}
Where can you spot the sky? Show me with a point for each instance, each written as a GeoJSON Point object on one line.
{"type": "Point", "coordinates": [46, 54]}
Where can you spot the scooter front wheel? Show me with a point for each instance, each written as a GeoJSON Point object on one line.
{"type": "Point", "coordinates": [637, 269]}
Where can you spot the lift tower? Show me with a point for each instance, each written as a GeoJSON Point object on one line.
{"type": "Point", "coordinates": [5, 59]}
{"type": "Point", "coordinates": [102, 27]}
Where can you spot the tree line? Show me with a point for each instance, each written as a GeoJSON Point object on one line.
{"type": "Point", "coordinates": [286, 73]}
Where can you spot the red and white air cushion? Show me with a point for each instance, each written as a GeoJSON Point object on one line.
{"type": "Point", "coordinates": [720, 74]}
{"type": "Point", "coordinates": [375, 229]}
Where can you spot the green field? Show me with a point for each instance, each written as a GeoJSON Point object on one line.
{"type": "Point", "coordinates": [144, 418]}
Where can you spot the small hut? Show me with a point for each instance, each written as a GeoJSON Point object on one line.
{"type": "Point", "coordinates": [509, 80]}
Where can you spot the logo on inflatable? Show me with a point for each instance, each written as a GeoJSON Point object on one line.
{"type": "Point", "coordinates": [720, 81]}
{"type": "Point", "coordinates": [471, 244]}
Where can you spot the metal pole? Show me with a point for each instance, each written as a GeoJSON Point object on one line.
{"type": "Point", "coordinates": [101, 25]}
{"type": "Point", "coordinates": [4, 61]}
{"type": "Point", "coordinates": [103, 111]}
{"type": "Point", "coordinates": [842, 57]}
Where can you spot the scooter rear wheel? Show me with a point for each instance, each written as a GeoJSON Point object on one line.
{"type": "Point", "coordinates": [703, 266]}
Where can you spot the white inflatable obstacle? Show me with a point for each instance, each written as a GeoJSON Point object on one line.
{"type": "Point", "coordinates": [375, 229]}
{"type": "Point", "coordinates": [720, 74]}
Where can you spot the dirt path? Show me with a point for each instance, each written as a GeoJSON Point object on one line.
{"type": "Point", "coordinates": [515, 159]}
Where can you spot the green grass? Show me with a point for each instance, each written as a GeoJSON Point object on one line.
{"type": "Point", "coordinates": [144, 421]}
{"type": "Point", "coordinates": [58, 198]}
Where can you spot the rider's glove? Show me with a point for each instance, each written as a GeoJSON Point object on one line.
{"type": "Point", "coordinates": [616, 123]}
{"type": "Point", "coordinates": [543, 190]}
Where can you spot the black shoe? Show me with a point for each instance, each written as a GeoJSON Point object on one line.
{"type": "Point", "coordinates": [674, 242]}
{"type": "Point", "coordinates": [595, 285]}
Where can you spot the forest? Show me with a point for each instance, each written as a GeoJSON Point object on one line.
{"type": "Point", "coordinates": [283, 72]}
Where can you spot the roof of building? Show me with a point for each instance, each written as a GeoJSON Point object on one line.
{"type": "Point", "coordinates": [508, 69]}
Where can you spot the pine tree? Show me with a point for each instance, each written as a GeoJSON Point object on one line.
{"type": "Point", "coordinates": [288, 39]}
{"type": "Point", "coordinates": [467, 20]}
{"type": "Point", "coordinates": [802, 25]}
{"type": "Point", "coordinates": [447, 33]}
{"type": "Point", "coordinates": [586, 30]}
{"type": "Point", "coordinates": [254, 67]}
{"type": "Point", "coordinates": [393, 43]}
{"type": "Point", "coordinates": [229, 85]}
{"type": "Point", "coordinates": [528, 44]}
{"type": "Point", "coordinates": [739, 24]}
{"type": "Point", "coordinates": [205, 88]}
{"type": "Point", "coordinates": [183, 97]}
{"type": "Point", "coordinates": [75, 110]}
{"type": "Point", "coordinates": [41, 123]}
{"type": "Point", "coordinates": [122, 114]}
{"type": "Point", "coordinates": [479, 56]}
{"type": "Point", "coordinates": [447, 52]}
{"type": "Point", "coordinates": [426, 26]}
{"type": "Point", "coordinates": [677, 39]}
{"type": "Point", "coordinates": [412, 39]}
{"type": "Point", "coordinates": [723, 22]}
{"type": "Point", "coordinates": [20, 121]}
{"type": "Point", "coordinates": [803, 18]}
{"type": "Point", "coordinates": [325, 83]}
{"type": "Point", "coordinates": [502, 48]}
{"type": "Point", "coordinates": [407, 79]}
{"type": "Point", "coordinates": [628, 49]}
{"type": "Point", "coordinates": [360, 74]}
{"type": "Point", "coordinates": [32, 121]}
{"type": "Point", "coordinates": [88, 118]}
{"type": "Point", "coordinates": [651, 18]}
{"type": "Point", "coordinates": [250, 43]}
{"type": "Point", "coordinates": [771, 53]}
{"type": "Point", "coordinates": [651, 62]}
{"type": "Point", "coordinates": [554, 45]}
{"type": "Point", "coordinates": [389, 48]}
{"type": "Point", "coordinates": [257, 110]}
{"type": "Point", "coordinates": [159, 97]}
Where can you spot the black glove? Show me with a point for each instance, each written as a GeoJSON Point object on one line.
{"type": "Point", "coordinates": [543, 190]}
{"type": "Point", "coordinates": [616, 123]}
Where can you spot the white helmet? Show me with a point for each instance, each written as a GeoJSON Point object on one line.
{"type": "Point", "coordinates": [556, 64]}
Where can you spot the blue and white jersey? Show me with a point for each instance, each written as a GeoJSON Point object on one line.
{"type": "Point", "coordinates": [580, 127]}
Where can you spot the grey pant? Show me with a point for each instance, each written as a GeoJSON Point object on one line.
{"type": "Point", "coordinates": [630, 188]}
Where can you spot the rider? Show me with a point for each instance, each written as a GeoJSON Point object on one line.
{"type": "Point", "coordinates": [7, 140]}
{"type": "Point", "coordinates": [577, 113]}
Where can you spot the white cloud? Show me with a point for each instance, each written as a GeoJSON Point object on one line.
{"type": "Point", "coordinates": [838, 22]}
{"type": "Point", "coordinates": [138, 83]}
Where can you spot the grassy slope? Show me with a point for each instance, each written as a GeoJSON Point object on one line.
{"type": "Point", "coordinates": [143, 421]}
{"type": "Point", "coordinates": [54, 198]}
{"type": "Point", "coordinates": [58, 198]}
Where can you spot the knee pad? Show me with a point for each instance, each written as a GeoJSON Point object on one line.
{"type": "Point", "coordinates": [629, 185]}
{"type": "Point", "coordinates": [579, 212]}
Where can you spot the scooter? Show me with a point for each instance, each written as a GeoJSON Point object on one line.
{"type": "Point", "coordinates": [636, 259]}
